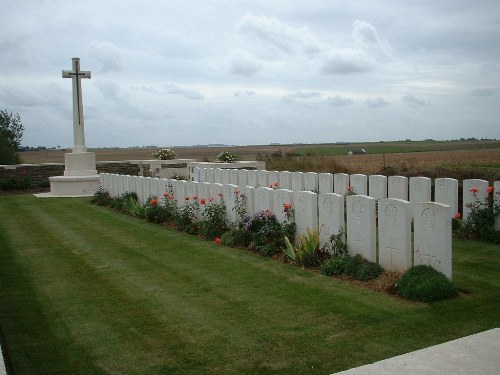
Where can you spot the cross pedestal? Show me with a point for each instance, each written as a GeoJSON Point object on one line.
{"type": "Point", "coordinates": [80, 173]}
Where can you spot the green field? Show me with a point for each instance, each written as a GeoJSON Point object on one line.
{"type": "Point", "coordinates": [398, 147]}
{"type": "Point", "coordinates": [86, 290]}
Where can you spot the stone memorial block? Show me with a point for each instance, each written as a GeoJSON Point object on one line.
{"type": "Point", "coordinates": [155, 187]}
{"type": "Point", "coordinates": [121, 185]}
{"type": "Point", "coordinates": [394, 234]}
{"type": "Point", "coordinates": [250, 200]}
{"type": "Point", "coordinates": [262, 178]}
{"type": "Point", "coordinates": [264, 199]}
{"type": "Point", "coordinates": [361, 226]}
{"type": "Point", "coordinates": [359, 184]}
{"type": "Point", "coordinates": [216, 192]}
{"type": "Point", "coordinates": [297, 181]}
{"type": "Point", "coordinates": [377, 186]}
{"type": "Point", "coordinates": [285, 180]}
{"type": "Point", "coordinates": [331, 216]}
{"type": "Point", "coordinates": [446, 192]}
{"type": "Point", "coordinates": [196, 174]}
{"type": "Point", "coordinates": [103, 180]}
{"type": "Point", "coordinates": [282, 197]}
{"type": "Point", "coordinates": [112, 185]}
{"type": "Point", "coordinates": [146, 189]}
{"type": "Point", "coordinates": [218, 175]}
{"type": "Point", "coordinates": [397, 187]}
{"type": "Point", "coordinates": [496, 200]}
{"type": "Point", "coordinates": [133, 184]}
{"type": "Point", "coordinates": [432, 236]}
{"type": "Point", "coordinates": [203, 175]}
{"type": "Point", "coordinates": [252, 178]}
{"type": "Point", "coordinates": [311, 182]}
{"type": "Point", "coordinates": [305, 204]}
{"type": "Point", "coordinates": [420, 189]}
{"type": "Point", "coordinates": [233, 176]}
{"type": "Point", "coordinates": [224, 174]}
{"type": "Point", "coordinates": [272, 178]}
{"type": "Point", "coordinates": [107, 182]}
{"type": "Point", "coordinates": [325, 183]}
{"type": "Point", "coordinates": [473, 190]}
{"type": "Point", "coordinates": [229, 192]}
{"type": "Point", "coordinates": [192, 189]}
{"type": "Point", "coordinates": [340, 183]}
{"type": "Point", "coordinates": [127, 185]}
{"type": "Point", "coordinates": [242, 178]}
{"type": "Point", "coordinates": [138, 187]}
{"type": "Point", "coordinates": [210, 175]}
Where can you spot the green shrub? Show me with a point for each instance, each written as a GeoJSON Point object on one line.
{"type": "Point", "coordinates": [214, 222]}
{"type": "Point", "coordinates": [425, 284]}
{"type": "Point", "coordinates": [20, 183]}
{"type": "Point", "coordinates": [334, 266]}
{"type": "Point", "coordinates": [352, 264]}
{"type": "Point", "coordinates": [227, 239]}
{"type": "Point", "coordinates": [101, 197]}
{"type": "Point", "coordinates": [368, 271]}
{"type": "Point", "coordinates": [156, 214]}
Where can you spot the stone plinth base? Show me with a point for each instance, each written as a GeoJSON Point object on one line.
{"type": "Point", "coordinates": [80, 164]}
{"type": "Point", "coordinates": [73, 185]}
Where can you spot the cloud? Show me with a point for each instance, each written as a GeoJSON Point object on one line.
{"type": "Point", "coordinates": [188, 94]}
{"type": "Point", "coordinates": [243, 93]}
{"type": "Point", "coordinates": [304, 95]}
{"type": "Point", "coordinates": [338, 101]}
{"type": "Point", "coordinates": [366, 38]}
{"type": "Point", "coordinates": [108, 55]}
{"type": "Point", "coordinates": [277, 37]}
{"type": "Point", "coordinates": [413, 101]}
{"type": "Point", "coordinates": [243, 63]}
{"type": "Point", "coordinates": [484, 92]}
{"type": "Point", "coordinates": [345, 62]}
{"type": "Point", "coordinates": [376, 103]}
{"type": "Point", "coordinates": [109, 90]}
{"type": "Point", "coordinates": [47, 95]}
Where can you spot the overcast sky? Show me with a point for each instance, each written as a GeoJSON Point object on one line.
{"type": "Point", "coordinates": [244, 72]}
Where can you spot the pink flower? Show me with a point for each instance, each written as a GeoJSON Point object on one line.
{"type": "Point", "coordinates": [165, 194]}
{"type": "Point", "coordinates": [217, 241]}
{"type": "Point", "coordinates": [276, 184]}
{"type": "Point", "coordinates": [490, 189]}
{"type": "Point", "coordinates": [195, 197]}
{"type": "Point", "coordinates": [287, 205]}
{"type": "Point", "coordinates": [203, 201]}
{"type": "Point", "coordinates": [458, 215]}
{"type": "Point", "coordinates": [350, 188]}
{"type": "Point", "coordinates": [474, 190]}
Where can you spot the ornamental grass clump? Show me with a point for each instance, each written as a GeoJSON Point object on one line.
{"type": "Point", "coordinates": [306, 252]}
{"type": "Point", "coordinates": [165, 154]}
{"type": "Point", "coordinates": [425, 284]}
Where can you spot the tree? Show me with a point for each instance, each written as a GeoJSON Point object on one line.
{"type": "Point", "coordinates": [11, 128]}
{"type": "Point", "coordinates": [11, 133]}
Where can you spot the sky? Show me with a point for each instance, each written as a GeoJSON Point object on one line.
{"type": "Point", "coordinates": [172, 73]}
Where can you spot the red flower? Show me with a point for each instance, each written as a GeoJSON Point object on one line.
{"type": "Point", "coordinates": [458, 215]}
{"type": "Point", "coordinates": [195, 197]}
{"type": "Point", "coordinates": [186, 198]}
{"type": "Point", "coordinates": [287, 205]}
{"type": "Point", "coordinates": [490, 189]}
{"type": "Point", "coordinates": [153, 202]}
{"type": "Point", "coordinates": [276, 184]}
{"type": "Point", "coordinates": [171, 197]}
{"type": "Point", "coordinates": [350, 188]}
{"type": "Point", "coordinates": [474, 190]}
{"type": "Point", "coordinates": [203, 201]}
{"type": "Point", "coordinates": [236, 192]}
{"type": "Point", "coordinates": [165, 194]}
{"type": "Point", "coordinates": [217, 241]}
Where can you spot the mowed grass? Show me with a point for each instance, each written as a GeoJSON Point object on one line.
{"type": "Point", "coordinates": [85, 290]}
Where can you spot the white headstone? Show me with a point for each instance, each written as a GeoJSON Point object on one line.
{"type": "Point", "coordinates": [218, 175]}
{"type": "Point", "coordinates": [331, 216]}
{"type": "Point", "coordinates": [196, 174]}
{"type": "Point", "coordinates": [224, 173]}
{"type": "Point", "coordinates": [361, 226]}
{"type": "Point", "coordinates": [264, 199]}
{"type": "Point", "coordinates": [209, 176]}
{"type": "Point", "coordinates": [394, 234]}
{"type": "Point", "coordinates": [432, 238]}
{"type": "Point", "coordinates": [250, 200]}
{"type": "Point", "coordinates": [311, 182]}
{"type": "Point", "coordinates": [305, 204]}
{"type": "Point", "coordinates": [216, 192]}
{"type": "Point", "coordinates": [233, 176]}
{"type": "Point", "coordinates": [285, 180]}
{"type": "Point", "coordinates": [446, 192]}
{"type": "Point", "coordinates": [252, 178]}
{"type": "Point", "coordinates": [180, 192]}
{"type": "Point", "coordinates": [340, 183]}
{"type": "Point", "coordinates": [359, 184]}
{"type": "Point", "coordinates": [474, 190]}
{"type": "Point", "coordinates": [282, 197]}
{"type": "Point", "coordinates": [297, 181]}
{"type": "Point", "coordinates": [230, 201]}
{"type": "Point", "coordinates": [262, 178]}
{"type": "Point", "coordinates": [397, 187]}
{"type": "Point", "coordinates": [325, 183]}
{"type": "Point", "coordinates": [242, 178]}
{"type": "Point", "coordinates": [203, 175]}
{"type": "Point", "coordinates": [272, 178]}
{"type": "Point", "coordinates": [420, 189]}
{"type": "Point", "coordinates": [192, 189]}
{"type": "Point", "coordinates": [377, 186]}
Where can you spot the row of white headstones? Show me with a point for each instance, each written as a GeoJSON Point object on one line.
{"type": "Point", "coordinates": [368, 223]}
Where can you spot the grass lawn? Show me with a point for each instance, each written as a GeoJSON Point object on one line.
{"type": "Point", "coordinates": [85, 290]}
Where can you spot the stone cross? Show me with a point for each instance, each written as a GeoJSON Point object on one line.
{"type": "Point", "coordinates": [78, 128]}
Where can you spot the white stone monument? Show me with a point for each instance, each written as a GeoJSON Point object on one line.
{"type": "Point", "coordinates": [80, 174]}
{"type": "Point", "coordinates": [361, 226]}
{"type": "Point", "coordinates": [377, 186]}
{"type": "Point", "coordinates": [359, 184]}
{"type": "Point", "coordinates": [446, 192]}
{"type": "Point", "coordinates": [331, 210]}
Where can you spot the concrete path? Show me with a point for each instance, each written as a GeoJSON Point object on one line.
{"type": "Point", "coordinates": [475, 354]}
